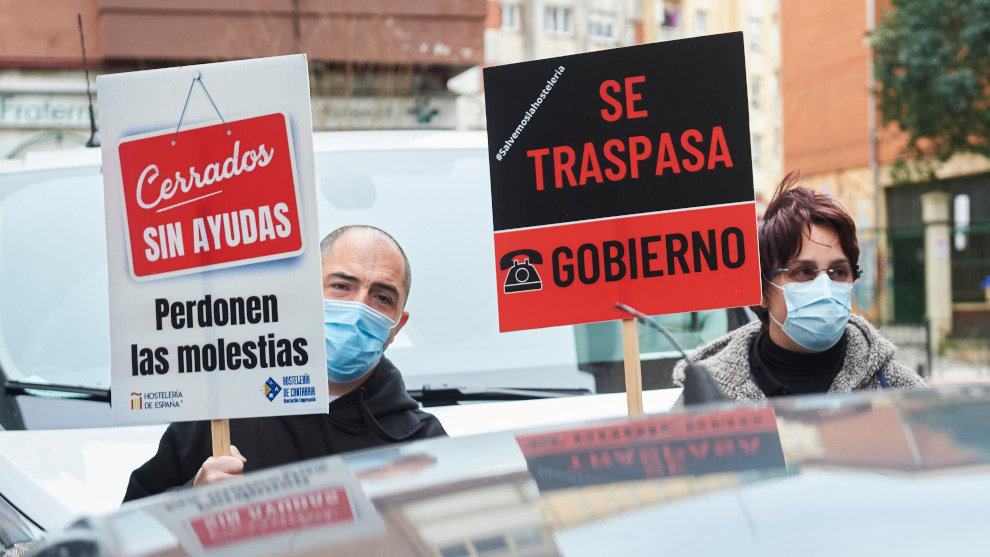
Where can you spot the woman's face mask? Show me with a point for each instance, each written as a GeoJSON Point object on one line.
{"type": "Point", "coordinates": [355, 337]}
{"type": "Point", "coordinates": [817, 311]}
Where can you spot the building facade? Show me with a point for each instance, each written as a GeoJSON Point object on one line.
{"type": "Point", "coordinates": [829, 130]}
{"type": "Point", "coordinates": [378, 64]}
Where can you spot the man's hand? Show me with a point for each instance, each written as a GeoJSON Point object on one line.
{"type": "Point", "coordinates": [218, 468]}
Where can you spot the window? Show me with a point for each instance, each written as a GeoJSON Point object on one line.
{"type": "Point", "coordinates": [670, 27]}
{"type": "Point", "coordinates": [510, 16]}
{"type": "Point", "coordinates": [493, 544]}
{"type": "Point", "coordinates": [601, 29]}
{"type": "Point", "coordinates": [671, 17]}
{"type": "Point", "coordinates": [529, 537]}
{"type": "Point", "coordinates": [757, 149]}
{"type": "Point", "coordinates": [775, 91]}
{"type": "Point", "coordinates": [755, 89]}
{"type": "Point", "coordinates": [53, 324]}
{"type": "Point", "coordinates": [753, 33]}
{"type": "Point", "coordinates": [776, 145]}
{"type": "Point", "coordinates": [559, 20]}
{"type": "Point", "coordinates": [701, 23]}
{"type": "Point", "coordinates": [599, 346]}
{"type": "Point", "coordinates": [456, 550]}
{"type": "Point", "coordinates": [774, 38]}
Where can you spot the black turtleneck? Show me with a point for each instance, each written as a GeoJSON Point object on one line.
{"type": "Point", "coordinates": [779, 371]}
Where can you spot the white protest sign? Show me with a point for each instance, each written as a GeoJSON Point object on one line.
{"type": "Point", "coordinates": [212, 242]}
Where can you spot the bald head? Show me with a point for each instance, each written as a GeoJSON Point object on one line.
{"type": "Point", "coordinates": [368, 237]}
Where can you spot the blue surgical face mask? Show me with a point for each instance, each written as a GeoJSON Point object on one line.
{"type": "Point", "coordinates": [355, 337]}
{"type": "Point", "coordinates": [817, 311]}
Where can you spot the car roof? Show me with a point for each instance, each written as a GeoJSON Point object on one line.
{"type": "Point", "coordinates": [335, 141]}
{"type": "Point", "coordinates": [46, 160]}
{"type": "Point", "coordinates": [402, 139]}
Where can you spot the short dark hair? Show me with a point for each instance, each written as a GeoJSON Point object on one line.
{"type": "Point", "coordinates": [789, 215]}
{"type": "Point", "coordinates": [330, 239]}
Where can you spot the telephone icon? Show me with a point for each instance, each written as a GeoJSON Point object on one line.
{"type": "Point", "coordinates": [522, 277]}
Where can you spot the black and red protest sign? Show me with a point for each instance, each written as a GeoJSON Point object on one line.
{"type": "Point", "coordinates": [662, 447]}
{"type": "Point", "coordinates": [622, 176]}
{"type": "Point", "coordinates": [205, 198]}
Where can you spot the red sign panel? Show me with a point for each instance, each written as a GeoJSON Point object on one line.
{"type": "Point", "coordinates": [573, 273]}
{"type": "Point", "coordinates": [320, 508]}
{"type": "Point", "coordinates": [205, 198]}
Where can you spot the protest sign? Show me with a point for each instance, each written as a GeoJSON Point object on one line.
{"type": "Point", "coordinates": [212, 242]}
{"type": "Point", "coordinates": [622, 176]}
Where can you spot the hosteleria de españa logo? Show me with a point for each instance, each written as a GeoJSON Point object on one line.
{"type": "Point", "coordinates": [204, 198]}
{"type": "Point", "coordinates": [136, 401]}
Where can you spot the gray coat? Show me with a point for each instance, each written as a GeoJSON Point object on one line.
{"type": "Point", "coordinates": [727, 359]}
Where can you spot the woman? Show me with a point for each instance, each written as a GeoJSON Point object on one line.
{"type": "Point", "coordinates": [806, 341]}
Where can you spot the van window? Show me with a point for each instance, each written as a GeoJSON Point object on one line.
{"type": "Point", "coordinates": [54, 316]}
{"type": "Point", "coordinates": [437, 204]}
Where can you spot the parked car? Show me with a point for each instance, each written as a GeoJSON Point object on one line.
{"type": "Point", "coordinates": [880, 473]}
{"type": "Point", "coordinates": [54, 320]}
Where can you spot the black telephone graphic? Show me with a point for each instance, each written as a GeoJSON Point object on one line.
{"type": "Point", "coordinates": [522, 277]}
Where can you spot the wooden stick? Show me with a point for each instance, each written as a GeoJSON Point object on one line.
{"type": "Point", "coordinates": [634, 375]}
{"type": "Point", "coordinates": [221, 437]}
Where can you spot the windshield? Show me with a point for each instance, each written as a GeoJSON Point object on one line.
{"type": "Point", "coordinates": [54, 322]}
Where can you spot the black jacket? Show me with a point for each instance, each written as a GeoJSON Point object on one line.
{"type": "Point", "coordinates": [376, 413]}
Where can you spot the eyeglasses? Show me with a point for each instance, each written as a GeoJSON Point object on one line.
{"type": "Point", "coordinates": [841, 273]}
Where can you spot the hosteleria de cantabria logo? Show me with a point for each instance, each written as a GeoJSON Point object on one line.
{"type": "Point", "coordinates": [272, 388]}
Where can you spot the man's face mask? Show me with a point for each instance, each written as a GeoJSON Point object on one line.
{"type": "Point", "coordinates": [817, 311]}
{"type": "Point", "coordinates": [355, 337]}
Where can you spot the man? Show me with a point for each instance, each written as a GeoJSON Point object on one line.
{"type": "Point", "coordinates": [366, 282]}
{"type": "Point", "coordinates": [807, 340]}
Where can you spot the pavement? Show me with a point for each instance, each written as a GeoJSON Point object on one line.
{"type": "Point", "coordinates": [971, 365]}
{"type": "Point", "coordinates": [950, 369]}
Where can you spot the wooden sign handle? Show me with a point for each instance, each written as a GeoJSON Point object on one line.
{"type": "Point", "coordinates": [221, 437]}
{"type": "Point", "coordinates": [634, 374]}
